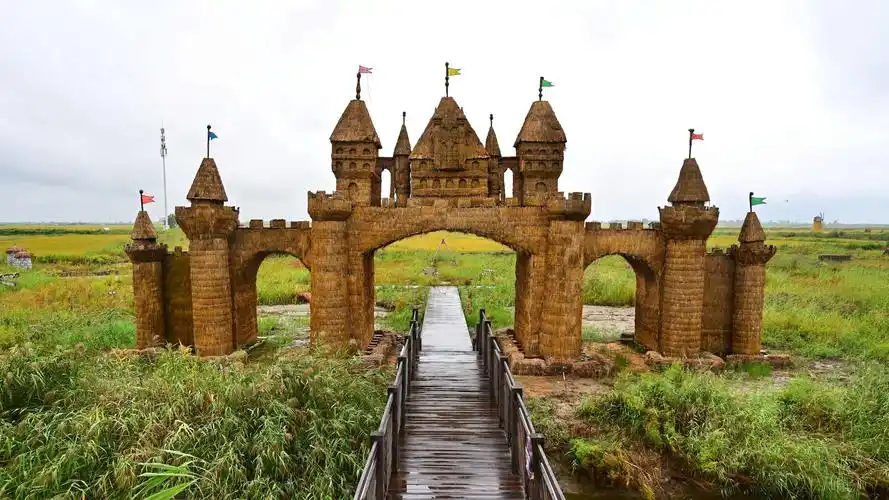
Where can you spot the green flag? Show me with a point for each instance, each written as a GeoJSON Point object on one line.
{"type": "Point", "coordinates": [546, 83]}
{"type": "Point", "coordinates": [757, 201]}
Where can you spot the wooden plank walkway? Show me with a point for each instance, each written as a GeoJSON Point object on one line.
{"type": "Point", "coordinates": [452, 445]}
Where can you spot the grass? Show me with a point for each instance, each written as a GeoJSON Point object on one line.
{"type": "Point", "coordinates": [78, 418]}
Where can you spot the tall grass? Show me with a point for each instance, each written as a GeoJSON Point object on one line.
{"type": "Point", "coordinates": [281, 279]}
{"type": "Point", "coordinates": [802, 441]}
{"type": "Point", "coordinates": [76, 424]}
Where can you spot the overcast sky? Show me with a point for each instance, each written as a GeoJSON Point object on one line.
{"type": "Point", "coordinates": [792, 97]}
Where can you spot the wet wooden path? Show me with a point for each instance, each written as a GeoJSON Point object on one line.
{"type": "Point", "coordinates": [452, 445]}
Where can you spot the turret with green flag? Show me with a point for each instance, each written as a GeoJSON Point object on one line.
{"type": "Point", "coordinates": [754, 200]}
{"type": "Point", "coordinates": [543, 83]}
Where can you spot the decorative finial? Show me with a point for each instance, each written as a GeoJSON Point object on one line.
{"type": "Point", "coordinates": [750, 199]}
{"type": "Point", "coordinates": [142, 201]}
{"type": "Point", "coordinates": [447, 76]}
{"type": "Point", "coordinates": [491, 117]}
{"type": "Point", "coordinates": [403, 117]}
{"type": "Point", "coordinates": [540, 90]}
{"type": "Point", "coordinates": [358, 87]}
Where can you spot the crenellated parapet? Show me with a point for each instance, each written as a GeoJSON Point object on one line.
{"type": "Point", "coordinates": [751, 254]}
{"type": "Point", "coordinates": [207, 222]}
{"type": "Point", "coordinates": [329, 207]}
{"type": "Point", "coordinates": [688, 222]}
{"type": "Point", "coordinates": [576, 206]}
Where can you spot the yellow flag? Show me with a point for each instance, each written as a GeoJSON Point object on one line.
{"type": "Point", "coordinates": [453, 71]}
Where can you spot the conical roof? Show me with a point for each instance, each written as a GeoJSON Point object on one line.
{"type": "Point", "coordinates": [541, 125]}
{"type": "Point", "coordinates": [751, 230]}
{"type": "Point", "coordinates": [449, 132]}
{"type": "Point", "coordinates": [690, 187]}
{"type": "Point", "coordinates": [355, 125]}
{"type": "Point", "coordinates": [143, 229]}
{"type": "Point", "coordinates": [491, 144]}
{"type": "Point", "coordinates": [207, 185]}
{"type": "Point", "coordinates": [403, 144]}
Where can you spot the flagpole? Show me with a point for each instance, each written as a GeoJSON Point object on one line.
{"type": "Point", "coordinates": [141, 201]}
{"type": "Point", "coordinates": [208, 141]}
{"type": "Point", "coordinates": [540, 90]}
{"type": "Point", "coordinates": [691, 134]}
{"type": "Point", "coordinates": [447, 77]}
{"type": "Point", "coordinates": [164, 162]}
{"type": "Point", "coordinates": [358, 87]}
{"type": "Point", "coordinates": [750, 200]}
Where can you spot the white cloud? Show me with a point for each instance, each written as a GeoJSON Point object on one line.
{"type": "Point", "coordinates": [84, 87]}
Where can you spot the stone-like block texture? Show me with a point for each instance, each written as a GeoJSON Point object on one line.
{"type": "Point", "coordinates": [686, 300]}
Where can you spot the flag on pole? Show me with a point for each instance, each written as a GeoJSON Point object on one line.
{"type": "Point", "coordinates": [546, 83]}
{"type": "Point", "coordinates": [365, 69]}
{"type": "Point", "coordinates": [147, 198]}
{"type": "Point", "coordinates": [697, 137]}
{"type": "Point", "coordinates": [211, 135]}
{"type": "Point", "coordinates": [453, 71]}
{"type": "Point", "coordinates": [754, 200]}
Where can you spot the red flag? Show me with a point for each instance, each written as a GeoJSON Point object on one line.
{"type": "Point", "coordinates": [365, 69]}
{"type": "Point", "coordinates": [697, 137]}
{"type": "Point", "coordinates": [147, 198]}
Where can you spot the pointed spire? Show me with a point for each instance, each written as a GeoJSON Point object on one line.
{"type": "Point", "coordinates": [541, 125]}
{"type": "Point", "coordinates": [448, 123]}
{"type": "Point", "coordinates": [355, 125]}
{"type": "Point", "coordinates": [491, 144]}
{"type": "Point", "coordinates": [690, 187]}
{"type": "Point", "coordinates": [751, 230]}
{"type": "Point", "coordinates": [207, 185]}
{"type": "Point", "coordinates": [143, 229]}
{"type": "Point", "coordinates": [403, 144]}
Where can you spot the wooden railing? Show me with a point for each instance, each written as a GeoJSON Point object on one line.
{"type": "Point", "coordinates": [525, 444]}
{"type": "Point", "coordinates": [383, 456]}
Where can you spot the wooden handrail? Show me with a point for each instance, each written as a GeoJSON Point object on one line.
{"type": "Point", "coordinates": [525, 444]}
{"type": "Point", "coordinates": [383, 455]}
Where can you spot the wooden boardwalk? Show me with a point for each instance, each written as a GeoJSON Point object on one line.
{"type": "Point", "coordinates": [452, 445]}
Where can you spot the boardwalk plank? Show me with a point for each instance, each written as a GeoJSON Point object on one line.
{"type": "Point", "coordinates": [452, 445]}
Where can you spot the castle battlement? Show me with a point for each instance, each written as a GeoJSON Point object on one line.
{"type": "Point", "coordinates": [334, 206]}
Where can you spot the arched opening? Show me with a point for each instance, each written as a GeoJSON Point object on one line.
{"type": "Point", "coordinates": [283, 293]}
{"type": "Point", "coordinates": [483, 270]}
{"type": "Point", "coordinates": [507, 183]}
{"type": "Point", "coordinates": [620, 300]}
{"type": "Point", "coordinates": [387, 188]}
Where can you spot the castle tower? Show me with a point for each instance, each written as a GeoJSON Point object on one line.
{"type": "Point", "coordinates": [401, 177]}
{"type": "Point", "coordinates": [750, 279]}
{"type": "Point", "coordinates": [209, 224]}
{"type": "Point", "coordinates": [449, 159]}
{"type": "Point", "coordinates": [495, 168]}
{"type": "Point", "coordinates": [354, 144]}
{"type": "Point", "coordinates": [540, 148]}
{"type": "Point", "coordinates": [686, 225]}
{"type": "Point", "coordinates": [147, 257]}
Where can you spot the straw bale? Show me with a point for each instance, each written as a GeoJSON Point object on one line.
{"type": "Point", "coordinates": [177, 298]}
{"type": "Point", "coordinates": [449, 140]}
{"type": "Point", "coordinates": [690, 187]}
{"type": "Point", "coordinates": [148, 299]}
{"type": "Point", "coordinates": [748, 302]}
{"type": "Point", "coordinates": [211, 296]}
{"type": "Point", "coordinates": [541, 125]}
{"type": "Point", "coordinates": [355, 125]}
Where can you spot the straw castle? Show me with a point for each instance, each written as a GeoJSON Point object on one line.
{"type": "Point", "coordinates": [687, 300]}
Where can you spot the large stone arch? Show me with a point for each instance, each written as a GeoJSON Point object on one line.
{"type": "Point", "coordinates": [644, 251]}
{"type": "Point", "coordinates": [249, 247]}
{"type": "Point", "coordinates": [525, 230]}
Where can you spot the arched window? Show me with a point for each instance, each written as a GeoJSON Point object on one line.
{"type": "Point", "coordinates": [462, 183]}
{"type": "Point", "coordinates": [475, 183]}
{"type": "Point", "coordinates": [436, 183]}
{"type": "Point", "coordinates": [365, 151]}
{"type": "Point", "coordinates": [449, 183]}
{"type": "Point", "coordinates": [540, 187]}
{"type": "Point", "coordinates": [352, 165]}
{"type": "Point", "coordinates": [353, 191]}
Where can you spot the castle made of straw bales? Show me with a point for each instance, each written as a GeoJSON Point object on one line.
{"type": "Point", "coordinates": [687, 300]}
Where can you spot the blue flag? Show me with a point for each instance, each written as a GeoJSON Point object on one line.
{"type": "Point", "coordinates": [211, 135]}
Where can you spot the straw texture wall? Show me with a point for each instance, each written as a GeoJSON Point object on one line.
{"type": "Point", "coordinates": [683, 297]}
{"type": "Point", "coordinates": [719, 279]}
{"type": "Point", "coordinates": [563, 307]}
{"type": "Point", "coordinates": [330, 318]}
{"type": "Point", "coordinates": [211, 297]}
{"type": "Point", "coordinates": [747, 317]}
{"type": "Point", "coordinates": [648, 321]}
{"type": "Point", "coordinates": [177, 295]}
{"type": "Point", "coordinates": [148, 296]}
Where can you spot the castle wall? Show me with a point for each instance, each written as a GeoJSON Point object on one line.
{"type": "Point", "coordinates": [177, 298]}
{"type": "Point", "coordinates": [719, 279]}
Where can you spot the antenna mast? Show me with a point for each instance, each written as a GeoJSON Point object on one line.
{"type": "Point", "coordinates": [164, 162]}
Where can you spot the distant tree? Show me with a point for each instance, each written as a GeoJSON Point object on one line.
{"type": "Point", "coordinates": [171, 221]}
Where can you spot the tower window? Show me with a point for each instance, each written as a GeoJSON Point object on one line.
{"type": "Point", "coordinates": [365, 151]}
{"type": "Point", "coordinates": [352, 165]}
{"type": "Point", "coordinates": [462, 183]}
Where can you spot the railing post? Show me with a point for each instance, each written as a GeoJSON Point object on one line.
{"type": "Point", "coordinates": [397, 408]}
{"type": "Point", "coordinates": [382, 480]}
{"type": "Point", "coordinates": [536, 469]}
